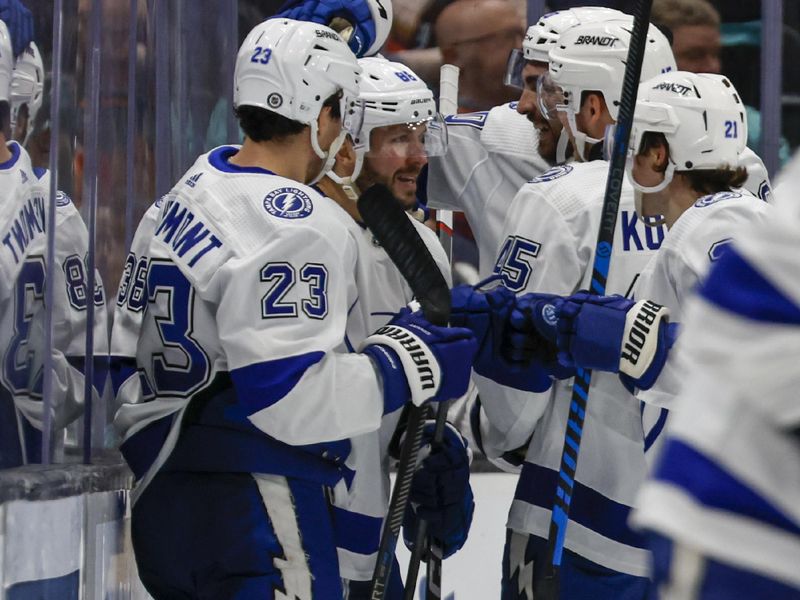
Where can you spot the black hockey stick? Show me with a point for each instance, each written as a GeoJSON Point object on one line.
{"type": "Point", "coordinates": [448, 105]}
{"type": "Point", "coordinates": [548, 587]}
{"type": "Point", "coordinates": [391, 227]}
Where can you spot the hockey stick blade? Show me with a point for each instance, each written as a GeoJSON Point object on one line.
{"type": "Point", "coordinates": [394, 231]}
{"type": "Point", "coordinates": [548, 587]}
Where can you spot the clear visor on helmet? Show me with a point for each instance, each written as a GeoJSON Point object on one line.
{"type": "Point", "coordinates": [514, 66]}
{"type": "Point", "coordinates": [550, 96]}
{"type": "Point", "coordinates": [424, 138]}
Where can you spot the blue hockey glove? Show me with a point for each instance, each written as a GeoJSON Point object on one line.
{"type": "Point", "coordinates": [440, 491]}
{"type": "Point", "coordinates": [420, 360]}
{"type": "Point", "coordinates": [19, 21]}
{"type": "Point", "coordinates": [487, 314]}
{"type": "Point", "coordinates": [371, 20]}
{"type": "Point", "coordinates": [612, 333]}
{"type": "Point", "coordinates": [532, 333]}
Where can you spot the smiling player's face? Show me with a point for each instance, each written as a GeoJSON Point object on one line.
{"type": "Point", "coordinates": [395, 159]}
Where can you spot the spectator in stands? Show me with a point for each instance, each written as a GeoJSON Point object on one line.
{"type": "Point", "coordinates": [695, 27]}
{"type": "Point", "coordinates": [478, 36]}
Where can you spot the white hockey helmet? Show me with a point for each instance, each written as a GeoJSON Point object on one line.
{"type": "Point", "coordinates": [701, 116]}
{"type": "Point", "coordinates": [545, 33]}
{"type": "Point", "coordinates": [27, 83]}
{"type": "Point", "coordinates": [392, 94]}
{"type": "Point", "coordinates": [291, 68]}
{"type": "Point", "coordinates": [6, 63]}
{"type": "Point", "coordinates": [592, 57]}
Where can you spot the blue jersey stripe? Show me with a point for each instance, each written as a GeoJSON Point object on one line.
{"type": "Point", "coordinates": [262, 384]}
{"type": "Point", "coordinates": [713, 486]}
{"type": "Point", "coordinates": [589, 507]}
{"type": "Point", "coordinates": [734, 285]}
{"type": "Point", "coordinates": [356, 532]}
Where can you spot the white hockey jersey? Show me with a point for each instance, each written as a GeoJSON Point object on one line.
{"type": "Point", "coordinates": [360, 498]}
{"type": "Point", "coordinates": [490, 155]}
{"type": "Point", "coordinates": [23, 222]}
{"type": "Point", "coordinates": [728, 483]}
{"type": "Point", "coordinates": [360, 504]}
{"type": "Point", "coordinates": [697, 239]}
{"type": "Point", "coordinates": [550, 236]}
{"type": "Point", "coordinates": [245, 300]}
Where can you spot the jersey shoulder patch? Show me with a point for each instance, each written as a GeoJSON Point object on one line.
{"type": "Point", "coordinates": [551, 174]}
{"type": "Point", "coordinates": [288, 203]}
{"type": "Point", "coordinates": [714, 198]}
{"type": "Point", "coordinates": [475, 119]}
{"type": "Point", "coordinates": [62, 199]}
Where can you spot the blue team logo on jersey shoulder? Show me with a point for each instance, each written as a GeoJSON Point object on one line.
{"type": "Point", "coordinates": [288, 203]}
{"type": "Point", "coordinates": [62, 199]}
{"type": "Point", "coordinates": [714, 198]}
{"type": "Point", "coordinates": [551, 174]}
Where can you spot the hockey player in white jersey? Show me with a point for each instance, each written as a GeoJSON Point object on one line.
{"type": "Point", "coordinates": [243, 402]}
{"type": "Point", "coordinates": [24, 237]}
{"type": "Point", "coordinates": [550, 233]}
{"type": "Point", "coordinates": [688, 135]}
{"type": "Point", "coordinates": [723, 504]}
{"type": "Point", "coordinates": [400, 128]}
{"type": "Point", "coordinates": [491, 154]}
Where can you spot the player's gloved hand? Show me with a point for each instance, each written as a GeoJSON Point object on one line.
{"type": "Point", "coordinates": [440, 491]}
{"type": "Point", "coordinates": [612, 333]}
{"type": "Point", "coordinates": [420, 360]}
{"type": "Point", "coordinates": [371, 20]}
{"type": "Point", "coordinates": [19, 21]}
{"type": "Point", "coordinates": [532, 333]}
{"type": "Point", "coordinates": [487, 314]}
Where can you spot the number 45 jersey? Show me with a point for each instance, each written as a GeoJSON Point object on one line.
{"type": "Point", "coordinates": [230, 329]}
{"type": "Point", "coordinates": [550, 236]}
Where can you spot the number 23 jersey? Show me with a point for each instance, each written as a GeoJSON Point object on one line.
{"type": "Point", "coordinates": [236, 296]}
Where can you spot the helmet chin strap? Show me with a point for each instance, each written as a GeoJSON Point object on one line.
{"type": "Point", "coordinates": [581, 138]}
{"type": "Point", "coordinates": [561, 147]}
{"type": "Point", "coordinates": [329, 157]}
{"type": "Point", "coordinates": [640, 190]}
{"type": "Point", "coordinates": [348, 183]}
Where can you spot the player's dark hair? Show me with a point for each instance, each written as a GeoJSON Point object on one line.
{"type": "Point", "coordinates": [702, 181]}
{"type": "Point", "coordinates": [5, 118]}
{"type": "Point", "coordinates": [262, 125]}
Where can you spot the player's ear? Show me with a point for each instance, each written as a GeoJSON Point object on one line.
{"type": "Point", "coordinates": [346, 157]}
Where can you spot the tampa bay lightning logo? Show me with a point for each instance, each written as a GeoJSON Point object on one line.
{"type": "Point", "coordinates": [714, 198]}
{"type": "Point", "coordinates": [551, 174]}
{"type": "Point", "coordinates": [288, 203]}
{"type": "Point", "coordinates": [549, 314]}
{"type": "Point", "coordinates": [62, 199]}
